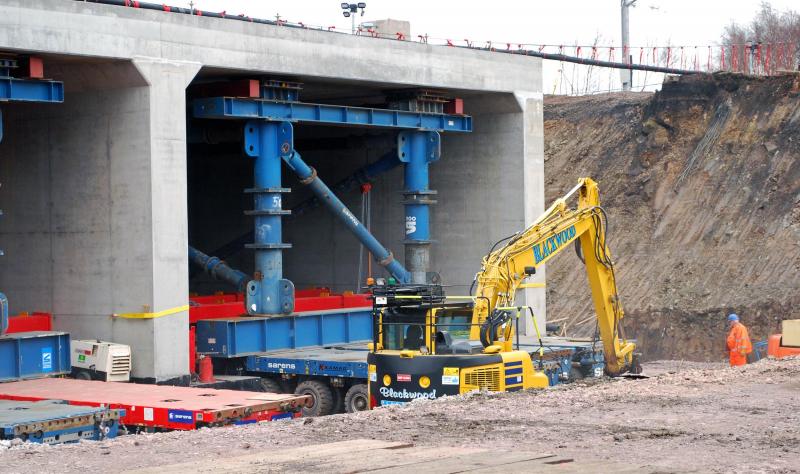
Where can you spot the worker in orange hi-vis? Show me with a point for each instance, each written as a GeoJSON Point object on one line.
{"type": "Point", "coordinates": [738, 341]}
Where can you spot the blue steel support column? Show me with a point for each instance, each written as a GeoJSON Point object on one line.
{"type": "Point", "coordinates": [417, 149]}
{"type": "Point", "coordinates": [308, 177]}
{"type": "Point", "coordinates": [268, 292]}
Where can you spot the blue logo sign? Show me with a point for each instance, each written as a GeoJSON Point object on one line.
{"type": "Point", "coordinates": [181, 416]}
{"type": "Point", "coordinates": [47, 359]}
{"type": "Point", "coordinates": [545, 249]}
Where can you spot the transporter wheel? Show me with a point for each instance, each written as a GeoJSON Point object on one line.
{"type": "Point", "coordinates": [270, 385]}
{"type": "Point", "coordinates": [357, 398]}
{"type": "Point", "coordinates": [321, 397]}
{"type": "Point", "coordinates": [82, 375]}
{"type": "Point", "coordinates": [338, 400]}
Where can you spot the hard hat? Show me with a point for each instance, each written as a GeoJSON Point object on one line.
{"type": "Point", "coordinates": [733, 317]}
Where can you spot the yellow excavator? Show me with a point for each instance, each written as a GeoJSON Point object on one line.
{"type": "Point", "coordinates": [427, 344]}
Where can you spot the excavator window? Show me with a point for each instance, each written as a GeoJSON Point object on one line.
{"type": "Point", "coordinates": [413, 339]}
{"type": "Point", "coordinates": [403, 328]}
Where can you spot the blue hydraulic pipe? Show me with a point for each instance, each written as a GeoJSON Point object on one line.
{"type": "Point", "coordinates": [308, 177]}
{"type": "Point", "coordinates": [3, 314]}
{"type": "Point", "coordinates": [268, 292]}
{"type": "Point", "coordinates": [417, 150]}
{"type": "Point", "coordinates": [218, 269]}
{"type": "Point", "coordinates": [363, 175]}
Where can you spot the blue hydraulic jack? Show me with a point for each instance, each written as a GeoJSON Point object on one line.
{"type": "Point", "coordinates": [268, 292]}
{"type": "Point", "coordinates": [417, 149]}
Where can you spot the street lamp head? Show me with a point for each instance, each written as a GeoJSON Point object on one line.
{"type": "Point", "coordinates": [362, 5]}
{"type": "Point", "coordinates": [345, 6]}
{"type": "Point", "coordinates": [346, 14]}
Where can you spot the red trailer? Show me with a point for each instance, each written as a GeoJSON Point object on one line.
{"type": "Point", "coordinates": [162, 406]}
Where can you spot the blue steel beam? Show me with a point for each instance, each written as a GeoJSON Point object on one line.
{"type": "Point", "coordinates": [26, 90]}
{"type": "Point", "coordinates": [236, 108]}
{"type": "Point", "coordinates": [308, 176]}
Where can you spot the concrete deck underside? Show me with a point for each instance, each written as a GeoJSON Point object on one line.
{"type": "Point", "coordinates": [95, 190]}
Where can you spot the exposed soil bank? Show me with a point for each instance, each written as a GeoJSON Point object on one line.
{"type": "Point", "coordinates": [701, 182]}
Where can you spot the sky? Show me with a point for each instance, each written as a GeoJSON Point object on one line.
{"type": "Point", "coordinates": [652, 22]}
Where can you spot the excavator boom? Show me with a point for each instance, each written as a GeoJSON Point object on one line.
{"type": "Point", "coordinates": [505, 269]}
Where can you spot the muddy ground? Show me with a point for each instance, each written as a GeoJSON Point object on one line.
{"type": "Point", "coordinates": [688, 416]}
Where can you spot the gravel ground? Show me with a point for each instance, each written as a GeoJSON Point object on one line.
{"type": "Point", "coordinates": [688, 416]}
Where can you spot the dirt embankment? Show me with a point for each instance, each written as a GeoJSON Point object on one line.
{"type": "Point", "coordinates": [701, 182]}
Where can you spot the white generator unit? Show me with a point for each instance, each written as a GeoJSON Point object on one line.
{"type": "Point", "coordinates": [98, 360]}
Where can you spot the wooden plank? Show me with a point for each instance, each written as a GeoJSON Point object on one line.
{"type": "Point", "coordinates": [558, 465]}
{"type": "Point", "coordinates": [450, 462]}
{"type": "Point", "coordinates": [270, 459]}
{"type": "Point", "coordinates": [402, 459]}
{"type": "Point", "coordinates": [384, 457]}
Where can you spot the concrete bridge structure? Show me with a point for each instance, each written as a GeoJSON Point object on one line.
{"type": "Point", "coordinates": [103, 193]}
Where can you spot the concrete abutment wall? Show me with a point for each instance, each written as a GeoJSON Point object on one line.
{"type": "Point", "coordinates": [96, 209]}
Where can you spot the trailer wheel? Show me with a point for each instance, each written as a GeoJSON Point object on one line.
{"type": "Point", "coordinates": [357, 398]}
{"type": "Point", "coordinates": [82, 375]}
{"type": "Point", "coordinates": [270, 385]}
{"type": "Point", "coordinates": [338, 400]}
{"type": "Point", "coordinates": [321, 397]}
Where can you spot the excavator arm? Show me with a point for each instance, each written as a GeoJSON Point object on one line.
{"type": "Point", "coordinates": [505, 269]}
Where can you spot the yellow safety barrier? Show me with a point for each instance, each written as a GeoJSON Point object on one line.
{"type": "Point", "coordinates": [532, 285]}
{"type": "Point", "coordinates": [159, 314]}
{"type": "Point", "coordinates": [415, 297]}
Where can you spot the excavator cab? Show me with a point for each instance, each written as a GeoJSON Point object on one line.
{"type": "Point", "coordinates": [422, 349]}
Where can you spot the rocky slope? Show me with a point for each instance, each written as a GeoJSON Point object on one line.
{"type": "Point", "coordinates": [701, 182]}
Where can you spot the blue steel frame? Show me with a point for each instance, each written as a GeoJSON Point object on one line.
{"type": "Point", "coordinates": [236, 337]}
{"type": "Point", "coordinates": [31, 355]}
{"type": "Point", "coordinates": [310, 367]}
{"type": "Point", "coordinates": [271, 138]}
{"type": "Point", "coordinates": [55, 422]}
{"type": "Point", "coordinates": [26, 90]}
{"type": "Point", "coordinates": [233, 108]}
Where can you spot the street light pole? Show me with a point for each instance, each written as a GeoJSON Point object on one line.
{"type": "Point", "coordinates": [350, 10]}
{"type": "Point", "coordinates": [626, 75]}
